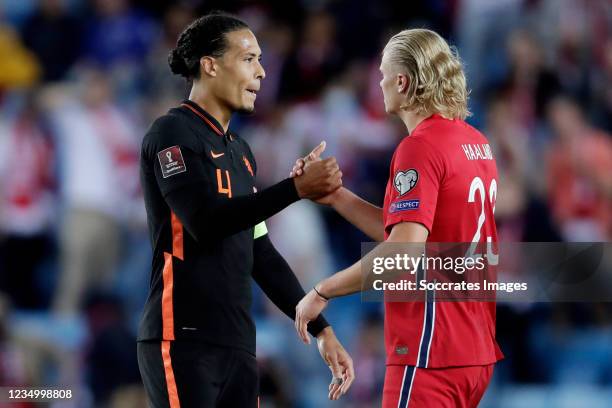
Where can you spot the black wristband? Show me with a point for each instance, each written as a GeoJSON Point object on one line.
{"type": "Point", "coordinates": [317, 325]}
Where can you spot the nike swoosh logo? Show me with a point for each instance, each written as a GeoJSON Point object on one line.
{"type": "Point", "coordinates": [216, 155]}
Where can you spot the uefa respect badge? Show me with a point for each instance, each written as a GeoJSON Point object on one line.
{"type": "Point", "coordinates": [404, 205]}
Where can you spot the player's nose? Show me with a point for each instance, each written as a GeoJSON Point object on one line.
{"type": "Point", "coordinates": [261, 72]}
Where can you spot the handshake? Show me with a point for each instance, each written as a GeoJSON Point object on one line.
{"type": "Point", "coordinates": [315, 178]}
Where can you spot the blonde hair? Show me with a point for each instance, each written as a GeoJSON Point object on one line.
{"type": "Point", "coordinates": [437, 81]}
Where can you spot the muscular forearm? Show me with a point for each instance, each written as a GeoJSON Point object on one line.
{"type": "Point", "coordinates": [405, 238]}
{"type": "Point", "coordinates": [362, 214]}
{"type": "Point", "coordinates": [345, 282]}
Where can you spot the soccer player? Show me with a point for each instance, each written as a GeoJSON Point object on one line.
{"type": "Point", "coordinates": [196, 340]}
{"type": "Point", "coordinates": [442, 188]}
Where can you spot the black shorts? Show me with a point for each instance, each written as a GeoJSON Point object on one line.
{"type": "Point", "coordinates": [190, 374]}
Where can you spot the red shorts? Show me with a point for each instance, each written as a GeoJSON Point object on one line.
{"type": "Point", "coordinates": [452, 387]}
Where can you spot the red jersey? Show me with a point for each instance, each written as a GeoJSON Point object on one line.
{"type": "Point", "coordinates": [443, 176]}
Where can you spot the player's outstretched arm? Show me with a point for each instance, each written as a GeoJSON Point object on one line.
{"type": "Point", "coordinates": [350, 280]}
{"type": "Point", "coordinates": [213, 217]}
{"type": "Point", "coordinates": [362, 214]}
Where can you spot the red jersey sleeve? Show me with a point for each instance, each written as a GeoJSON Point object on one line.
{"type": "Point", "coordinates": [416, 175]}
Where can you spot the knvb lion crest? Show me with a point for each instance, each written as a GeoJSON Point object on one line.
{"type": "Point", "coordinates": [404, 181]}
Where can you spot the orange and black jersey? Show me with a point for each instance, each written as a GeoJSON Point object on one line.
{"type": "Point", "coordinates": [202, 209]}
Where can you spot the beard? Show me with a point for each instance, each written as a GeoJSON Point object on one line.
{"type": "Point", "coordinates": [246, 111]}
{"type": "Point", "coordinates": [240, 106]}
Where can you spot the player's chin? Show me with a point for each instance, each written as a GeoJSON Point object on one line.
{"type": "Point", "coordinates": [246, 108]}
{"type": "Point", "coordinates": [387, 110]}
{"type": "Point", "coordinates": [391, 110]}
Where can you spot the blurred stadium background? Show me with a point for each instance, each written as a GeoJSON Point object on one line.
{"type": "Point", "coordinates": [80, 82]}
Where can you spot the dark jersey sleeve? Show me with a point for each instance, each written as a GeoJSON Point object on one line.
{"type": "Point", "coordinates": [210, 217]}
{"type": "Point", "coordinates": [181, 171]}
{"type": "Point", "coordinates": [275, 277]}
{"type": "Point", "coordinates": [175, 154]}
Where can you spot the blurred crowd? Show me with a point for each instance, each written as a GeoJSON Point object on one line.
{"type": "Point", "coordinates": [80, 82]}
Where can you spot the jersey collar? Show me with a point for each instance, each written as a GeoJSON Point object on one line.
{"type": "Point", "coordinates": [205, 116]}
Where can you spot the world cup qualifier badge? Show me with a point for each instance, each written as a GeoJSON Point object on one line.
{"type": "Point", "coordinates": [171, 161]}
{"type": "Point", "coordinates": [404, 181]}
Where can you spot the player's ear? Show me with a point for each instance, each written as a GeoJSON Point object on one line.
{"type": "Point", "coordinates": [208, 66]}
{"type": "Point", "coordinates": [402, 83]}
